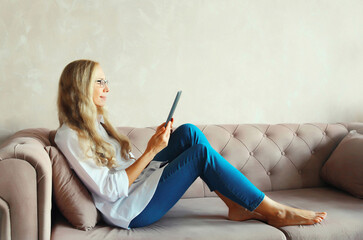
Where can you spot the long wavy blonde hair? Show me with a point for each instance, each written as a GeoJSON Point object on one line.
{"type": "Point", "coordinates": [77, 109]}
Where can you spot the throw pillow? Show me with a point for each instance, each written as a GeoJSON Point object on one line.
{"type": "Point", "coordinates": [344, 168]}
{"type": "Point", "coordinates": [72, 198]}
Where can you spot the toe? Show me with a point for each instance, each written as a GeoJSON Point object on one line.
{"type": "Point", "coordinates": [322, 214]}
{"type": "Point", "coordinates": [317, 220]}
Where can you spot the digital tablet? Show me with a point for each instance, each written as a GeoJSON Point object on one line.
{"type": "Point", "coordinates": [176, 100]}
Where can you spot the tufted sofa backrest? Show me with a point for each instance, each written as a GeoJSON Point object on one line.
{"type": "Point", "coordinates": [273, 157]}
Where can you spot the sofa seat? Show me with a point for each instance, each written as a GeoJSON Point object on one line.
{"type": "Point", "coordinates": [205, 218]}
{"type": "Point", "coordinates": [190, 218]}
{"type": "Point", "coordinates": [345, 213]}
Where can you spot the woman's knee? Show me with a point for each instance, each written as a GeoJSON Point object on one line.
{"type": "Point", "coordinates": [190, 129]}
{"type": "Point", "coordinates": [188, 126]}
{"type": "Point", "coordinates": [202, 149]}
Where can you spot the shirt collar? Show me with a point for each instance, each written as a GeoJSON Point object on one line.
{"type": "Point", "coordinates": [100, 119]}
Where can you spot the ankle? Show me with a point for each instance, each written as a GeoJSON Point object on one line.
{"type": "Point", "coordinates": [271, 209]}
{"type": "Point", "coordinates": [280, 213]}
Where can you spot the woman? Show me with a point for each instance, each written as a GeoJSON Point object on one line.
{"type": "Point", "coordinates": [133, 192]}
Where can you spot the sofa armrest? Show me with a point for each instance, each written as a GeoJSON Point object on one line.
{"type": "Point", "coordinates": [4, 220]}
{"type": "Point", "coordinates": [26, 184]}
{"type": "Point", "coordinates": [18, 189]}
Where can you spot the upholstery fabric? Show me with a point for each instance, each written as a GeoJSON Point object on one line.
{"type": "Point", "coordinates": [4, 220]}
{"type": "Point", "coordinates": [344, 219]}
{"type": "Point", "coordinates": [273, 157]}
{"type": "Point", "coordinates": [344, 168]}
{"type": "Point", "coordinates": [19, 176]}
{"type": "Point", "coordinates": [193, 218]}
{"type": "Point", "coordinates": [205, 218]}
{"type": "Point", "coordinates": [72, 198]}
{"type": "Point", "coordinates": [28, 145]}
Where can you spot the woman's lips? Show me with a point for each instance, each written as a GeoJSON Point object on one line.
{"type": "Point", "coordinates": [103, 97]}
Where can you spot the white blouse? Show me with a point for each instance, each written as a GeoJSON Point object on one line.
{"type": "Point", "coordinates": [110, 190]}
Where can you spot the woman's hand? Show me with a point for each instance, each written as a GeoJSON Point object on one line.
{"type": "Point", "coordinates": [156, 143]}
{"type": "Point", "coordinates": [160, 139]}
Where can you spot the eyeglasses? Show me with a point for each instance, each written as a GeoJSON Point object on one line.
{"type": "Point", "coordinates": [102, 83]}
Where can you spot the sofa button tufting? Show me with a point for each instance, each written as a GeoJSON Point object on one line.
{"type": "Point", "coordinates": [269, 173]}
{"type": "Point", "coordinates": [283, 153]}
{"type": "Point", "coordinates": [312, 152]}
{"type": "Point", "coordinates": [324, 133]}
{"type": "Point", "coordinates": [264, 135]}
{"type": "Point", "coordinates": [251, 153]}
{"type": "Point", "coordinates": [300, 172]}
{"type": "Point", "coordinates": [295, 134]}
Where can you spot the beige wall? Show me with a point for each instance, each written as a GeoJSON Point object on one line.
{"type": "Point", "coordinates": [237, 61]}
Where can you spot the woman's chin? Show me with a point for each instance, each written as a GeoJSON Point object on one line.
{"type": "Point", "coordinates": [100, 104]}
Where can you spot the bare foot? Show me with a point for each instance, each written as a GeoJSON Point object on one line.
{"type": "Point", "coordinates": [293, 216]}
{"type": "Point", "coordinates": [280, 215]}
{"type": "Point", "coordinates": [242, 214]}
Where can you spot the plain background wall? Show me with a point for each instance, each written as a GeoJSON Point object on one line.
{"type": "Point", "coordinates": [237, 61]}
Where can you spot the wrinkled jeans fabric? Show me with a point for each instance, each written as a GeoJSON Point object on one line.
{"type": "Point", "coordinates": [191, 156]}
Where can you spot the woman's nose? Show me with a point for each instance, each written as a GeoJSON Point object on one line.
{"type": "Point", "coordinates": [106, 88]}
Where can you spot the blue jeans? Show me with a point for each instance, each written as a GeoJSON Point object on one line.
{"type": "Point", "coordinates": [191, 156]}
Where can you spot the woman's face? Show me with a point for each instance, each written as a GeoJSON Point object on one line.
{"type": "Point", "coordinates": [99, 92]}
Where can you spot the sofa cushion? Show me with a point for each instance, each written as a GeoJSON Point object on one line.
{"type": "Point", "coordinates": [205, 218]}
{"type": "Point", "coordinates": [193, 218]}
{"type": "Point", "coordinates": [344, 168]}
{"type": "Point", "coordinates": [344, 219]}
{"type": "Point", "coordinates": [72, 198]}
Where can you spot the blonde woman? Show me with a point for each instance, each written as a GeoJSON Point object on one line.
{"type": "Point", "coordinates": [133, 192]}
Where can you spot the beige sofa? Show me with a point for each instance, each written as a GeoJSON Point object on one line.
{"type": "Point", "coordinates": [283, 160]}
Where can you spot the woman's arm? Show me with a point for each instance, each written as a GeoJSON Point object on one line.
{"type": "Point", "coordinates": [156, 143]}
{"type": "Point", "coordinates": [136, 168]}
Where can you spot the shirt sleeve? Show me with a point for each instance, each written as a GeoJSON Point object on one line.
{"type": "Point", "coordinates": [108, 184]}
